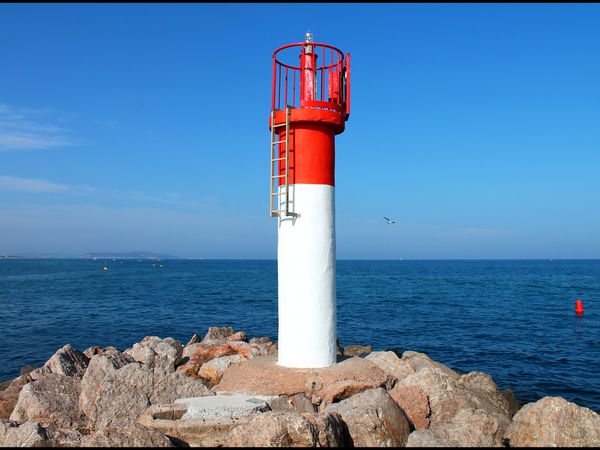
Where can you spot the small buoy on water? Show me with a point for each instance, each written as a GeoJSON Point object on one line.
{"type": "Point", "coordinates": [579, 307]}
{"type": "Point", "coordinates": [105, 268]}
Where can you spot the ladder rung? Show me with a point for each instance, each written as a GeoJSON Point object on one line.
{"type": "Point", "coordinates": [277, 159]}
{"type": "Point", "coordinates": [279, 125]}
{"type": "Point", "coordinates": [279, 142]}
{"type": "Point", "coordinates": [278, 176]}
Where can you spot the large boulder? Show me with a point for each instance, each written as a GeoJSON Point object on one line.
{"type": "Point", "coordinates": [124, 393]}
{"type": "Point", "coordinates": [211, 371]}
{"type": "Point", "coordinates": [331, 430]}
{"type": "Point", "coordinates": [10, 395]}
{"type": "Point", "coordinates": [373, 419]}
{"type": "Point", "coordinates": [419, 361]}
{"type": "Point", "coordinates": [554, 422]}
{"type": "Point", "coordinates": [471, 401]}
{"type": "Point", "coordinates": [131, 436]}
{"type": "Point", "coordinates": [415, 404]}
{"type": "Point", "coordinates": [154, 352]}
{"type": "Point", "coordinates": [294, 403]}
{"type": "Point", "coordinates": [51, 400]}
{"type": "Point", "coordinates": [395, 367]}
{"type": "Point", "coordinates": [67, 361]}
{"type": "Point", "coordinates": [217, 335]}
{"type": "Point", "coordinates": [275, 429]}
{"type": "Point", "coordinates": [28, 434]}
{"type": "Point", "coordinates": [100, 366]}
{"type": "Point", "coordinates": [263, 376]}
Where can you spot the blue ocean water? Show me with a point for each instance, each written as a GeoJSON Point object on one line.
{"type": "Point", "coordinates": [513, 320]}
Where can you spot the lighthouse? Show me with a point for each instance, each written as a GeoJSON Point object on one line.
{"type": "Point", "coordinates": [310, 105]}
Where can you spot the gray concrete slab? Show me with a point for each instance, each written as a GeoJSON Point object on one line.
{"type": "Point", "coordinates": [223, 405]}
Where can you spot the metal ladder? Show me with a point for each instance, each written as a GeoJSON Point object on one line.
{"type": "Point", "coordinates": [274, 187]}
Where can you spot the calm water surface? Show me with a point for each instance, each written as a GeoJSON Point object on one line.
{"type": "Point", "coordinates": [513, 320]}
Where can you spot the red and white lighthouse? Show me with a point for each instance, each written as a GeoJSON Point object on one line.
{"type": "Point", "coordinates": [310, 105]}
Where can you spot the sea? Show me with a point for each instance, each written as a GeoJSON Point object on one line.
{"type": "Point", "coordinates": [512, 319]}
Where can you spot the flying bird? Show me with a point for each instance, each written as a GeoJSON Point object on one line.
{"type": "Point", "coordinates": [390, 221]}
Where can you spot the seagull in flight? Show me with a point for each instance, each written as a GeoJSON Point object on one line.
{"type": "Point", "coordinates": [390, 221]}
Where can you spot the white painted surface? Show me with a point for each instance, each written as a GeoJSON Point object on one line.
{"type": "Point", "coordinates": [306, 279]}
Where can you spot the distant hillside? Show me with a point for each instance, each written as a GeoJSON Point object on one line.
{"type": "Point", "coordinates": [129, 255]}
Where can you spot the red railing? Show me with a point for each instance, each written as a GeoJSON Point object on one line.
{"type": "Point", "coordinates": [321, 80]}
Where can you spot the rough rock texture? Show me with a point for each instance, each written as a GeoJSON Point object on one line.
{"type": "Point", "coordinates": [217, 335]}
{"type": "Point", "coordinates": [154, 352]}
{"type": "Point", "coordinates": [132, 436]}
{"type": "Point", "coordinates": [332, 431]}
{"type": "Point", "coordinates": [126, 392]}
{"type": "Point", "coordinates": [296, 403]}
{"type": "Point", "coordinates": [513, 403]}
{"type": "Point", "coordinates": [194, 339]}
{"type": "Point", "coordinates": [28, 434]}
{"type": "Point", "coordinates": [10, 395]}
{"type": "Point", "coordinates": [554, 422]}
{"type": "Point", "coordinates": [51, 400]}
{"type": "Point", "coordinates": [428, 438]}
{"type": "Point", "coordinates": [419, 361]}
{"type": "Point", "coordinates": [67, 361]}
{"type": "Point", "coordinates": [203, 353]}
{"type": "Point", "coordinates": [212, 371]}
{"type": "Point", "coordinates": [389, 362]}
{"type": "Point", "coordinates": [357, 350]}
{"type": "Point", "coordinates": [373, 419]}
{"type": "Point", "coordinates": [414, 402]}
{"type": "Point", "coordinates": [471, 401]}
{"type": "Point", "coordinates": [100, 366]}
{"type": "Point", "coordinates": [262, 376]}
{"type": "Point", "coordinates": [63, 437]}
{"type": "Point", "coordinates": [275, 429]}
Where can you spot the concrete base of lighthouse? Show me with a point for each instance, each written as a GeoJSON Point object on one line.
{"type": "Point", "coordinates": [306, 279]}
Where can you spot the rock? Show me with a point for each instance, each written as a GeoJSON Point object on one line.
{"type": "Point", "coordinates": [188, 351]}
{"type": "Point", "coordinates": [472, 401]}
{"type": "Point", "coordinates": [263, 376]}
{"type": "Point", "coordinates": [373, 419]}
{"type": "Point", "coordinates": [331, 430]}
{"type": "Point", "coordinates": [60, 437]}
{"type": "Point", "coordinates": [260, 340]}
{"type": "Point", "coordinates": [95, 350]}
{"type": "Point", "coordinates": [154, 352]}
{"type": "Point", "coordinates": [67, 361]}
{"type": "Point", "coordinates": [415, 404]}
{"type": "Point", "coordinates": [513, 403]}
{"type": "Point", "coordinates": [239, 336]}
{"type": "Point", "coordinates": [389, 362]}
{"type": "Point", "coordinates": [194, 339]}
{"type": "Point", "coordinates": [554, 422]}
{"type": "Point", "coordinates": [132, 436]}
{"type": "Point", "coordinates": [296, 403]}
{"type": "Point", "coordinates": [10, 395]}
{"type": "Point", "coordinates": [28, 434]}
{"type": "Point", "coordinates": [124, 393]}
{"type": "Point", "coordinates": [26, 369]}
{"type": "Point", "coordinates": [428, 438]}
{"type": "Point", "coordinates": [468, 428]}
{"type": "Point", "coordinates": [420, 361]}
{"type": "Point", "coordinates": [275, 429]}
{"type": "Point", "coordinates": [212, 371]}
{"type": "Point", "coordinates": [51, 400]}
{"type": "Point", "coordinates": [217, 335]}
{"type": "Point", "coordinates": [357, 350]}
{"type": "Point", "coordinates": [203, 353]}
{"type": "Point", "coordinates": [100, 366]}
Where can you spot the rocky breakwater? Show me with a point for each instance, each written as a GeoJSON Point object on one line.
{"type": "Point", "coordinates": [227, 390]}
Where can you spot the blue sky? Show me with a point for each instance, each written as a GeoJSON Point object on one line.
{"type": "Point", "coordinates": [144, 127]}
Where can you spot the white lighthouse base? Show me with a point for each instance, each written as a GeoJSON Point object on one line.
{"type": "Point", "coordinates": [306, 279]}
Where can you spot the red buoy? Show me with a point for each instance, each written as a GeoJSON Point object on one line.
{"type": "Point", "coordinates": [579, 307]}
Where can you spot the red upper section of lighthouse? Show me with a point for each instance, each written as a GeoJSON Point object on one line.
{"type": "Point", "coordinates": [312, 80]}
{"type": "Point", "coordinates": [320, 79]}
